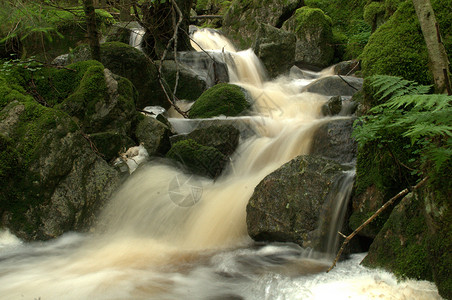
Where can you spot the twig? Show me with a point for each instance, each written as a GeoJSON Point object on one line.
{"type": "Point", "coordinates": [378, 212]}
{"type": "Point", "coordinates": [347, 83]}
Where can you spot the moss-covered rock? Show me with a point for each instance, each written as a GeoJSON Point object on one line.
{"type": "Point", "coordinates": [225, 138]}
{"type": "Point", "coordinates": [42, 199]}
{"type": "Point", "coordinates": [350, 31]}
{"type": "Point", "coordinates": [54, 178]}
{"type": "Point", "coordinates": [313, 30]}
{"type": "Point", "coordinates": [242, 19]}
{"type": "Point", "coordinates": [374, 13]}
{"type": "Point", "coordinates": [222, 99]}
{"type": "Point", "coordinates": [397, 48]}
{"type": "Point", "coordinates": [275, 48]}
{"type": "Point", "coordinates": [401, 245]}
{"type": "Point", "coordinates": [416, 241]}
{"type": "Point", "coordinates": [126, 61]}
{"type": "Point", "coordinates": [198, 159]}
{"type": "Point", "coordinates": [110, 143]}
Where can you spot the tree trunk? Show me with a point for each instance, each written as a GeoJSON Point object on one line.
{"type": "Point", "coordinates": [93, 36]}
{"type": "Point", "coordinates": [439, 63]}
{"type": "Point", "coordinates": [159, 20]}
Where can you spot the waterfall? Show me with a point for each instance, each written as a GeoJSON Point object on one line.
{"type": "Point", "coordinates": [136, 37]}
{"type": "Point", "coordinates": [170, 235]}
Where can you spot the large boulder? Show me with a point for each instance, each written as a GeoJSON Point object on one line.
{"type": "Point", "coordinates": [56, 182]}
{"type": "Point", "coordinates": [415, 242]}
{"type": "Point", "coordinates": [288, 204]}
{"type": "Point", "coordinates": [54, 146]}
{"type": "Point", "coordinates": [335, 85]}
{"type": "Point", "coordinates": [222, 99]}
{"type": "Point", "coordinates": [275, 48]}
{"type": "Point", "coordinates": [313, 30]}
{"type": "Point", "coordinates": [243, 18]}
{"type": "Point", "coordinates": [334, 140]}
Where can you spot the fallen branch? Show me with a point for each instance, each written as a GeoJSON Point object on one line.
{"type": "Point", "coordinates": [378, 212]}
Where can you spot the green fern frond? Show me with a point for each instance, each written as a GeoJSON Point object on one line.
{"type": "Point", "coordinates": [420, 102]}
{"type": "Point", "coordinates": [392, 86]}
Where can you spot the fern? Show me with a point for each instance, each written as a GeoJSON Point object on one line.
{"type": "Point", "coordinates": [395, 86]}
{"type": "Point", "coordinates": [426, 119]}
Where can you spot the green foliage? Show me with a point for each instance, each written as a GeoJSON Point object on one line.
{"type": "Point", "coordinates": [425, 120]}
{"type": "Point", "coordinates": [222, 99]}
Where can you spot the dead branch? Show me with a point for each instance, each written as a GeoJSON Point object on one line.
{"type": "Point", "coordinates": [376, 214]}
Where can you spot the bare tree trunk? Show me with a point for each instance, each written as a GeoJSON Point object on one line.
{"type": "Point", "coordinates": [439, 63]}
{"type": "Point", "coordinates": [93, 36]}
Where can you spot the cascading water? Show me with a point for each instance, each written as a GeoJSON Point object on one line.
{"type": "Point", "coordinates": [148, 245]}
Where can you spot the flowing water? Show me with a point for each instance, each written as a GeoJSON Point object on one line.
{"type": "Point", "coordinates": [169, 235]}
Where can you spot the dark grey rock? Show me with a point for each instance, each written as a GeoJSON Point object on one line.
{"type": "Point", "coordinates": [154, 135]}
{"type": "Point", "coordinates": [287, 205]}
{"type": "Point", "coordinates": [224, 138]}
{"type": "Point", "coordinates": [334, 140]}
{"type": "Point", "coordinates": [275, 48]}
{"type": "Point", "coordinates": [335, 85]}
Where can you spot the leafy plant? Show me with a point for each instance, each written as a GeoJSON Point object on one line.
{"type": "Point", "coordinates": [407, 110]}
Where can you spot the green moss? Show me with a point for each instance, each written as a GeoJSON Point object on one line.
{"type": "Point", "coordinates": [222, 99]}
{"type": "Point", "coordinates": [311, 18]}
{"type": "Point", "coordinates": [401, 246]}
{"type": "Point", "coordinates": [10, 92]}
{"type": "Point", "coordinates": [199, 159]}
{"type": "Point", "coordinates": [397, 48]}
{"type": "Point", "coordinates": [346, 21]}
{"type": "Point", "coordinates": [91, 88]}
{"type": "Point", "coordinates": [372, 11]}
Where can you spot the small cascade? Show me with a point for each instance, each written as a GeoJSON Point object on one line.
{"type": "Point", "coordinates": [335, 212]}
{"type": "Point", "coordinates": [136, 37]}
{"type": "Point", "coordinates": [171, 235]}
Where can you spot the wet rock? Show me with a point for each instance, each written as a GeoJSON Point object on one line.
{"type": "Point", "coordinates": [210, 67]}
{"type": "Point", "coordinates": [275, 48]}
{"type": "Point", "coordinates": [334, 140]}
{"type": "Point", "coordinates": [347, 68]}
{"type": "Point", "coordinates": [242, 19]}
{"type": "Point", "coordinates": [333, 106]}
{"type": "Point", "coordinates": [153, 135]}
{"type": "Point", "coordinates": [225, 138]}
{"type": "Point", "coordinates": [287, 205]}
{"type": "Point", "coordinates": [57, 181]}
{"type": "Point", "coordinates": [313, 30]}
{"type": "Point", "coordinates": [190, 85]}
{"type": "Point", "coordinates": [335, 85]}
{"type": "Point", "coordinates": [198, 159]}
{"type": "Point", "coordinates": [109, 143]}
{"type": "Point", "coordinates": [121, 32]}
{"type": "Point", "coordinates": [296, 72]}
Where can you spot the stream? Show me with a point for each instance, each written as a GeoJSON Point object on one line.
{"type": "Point", "coordinates": [166, 234]}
